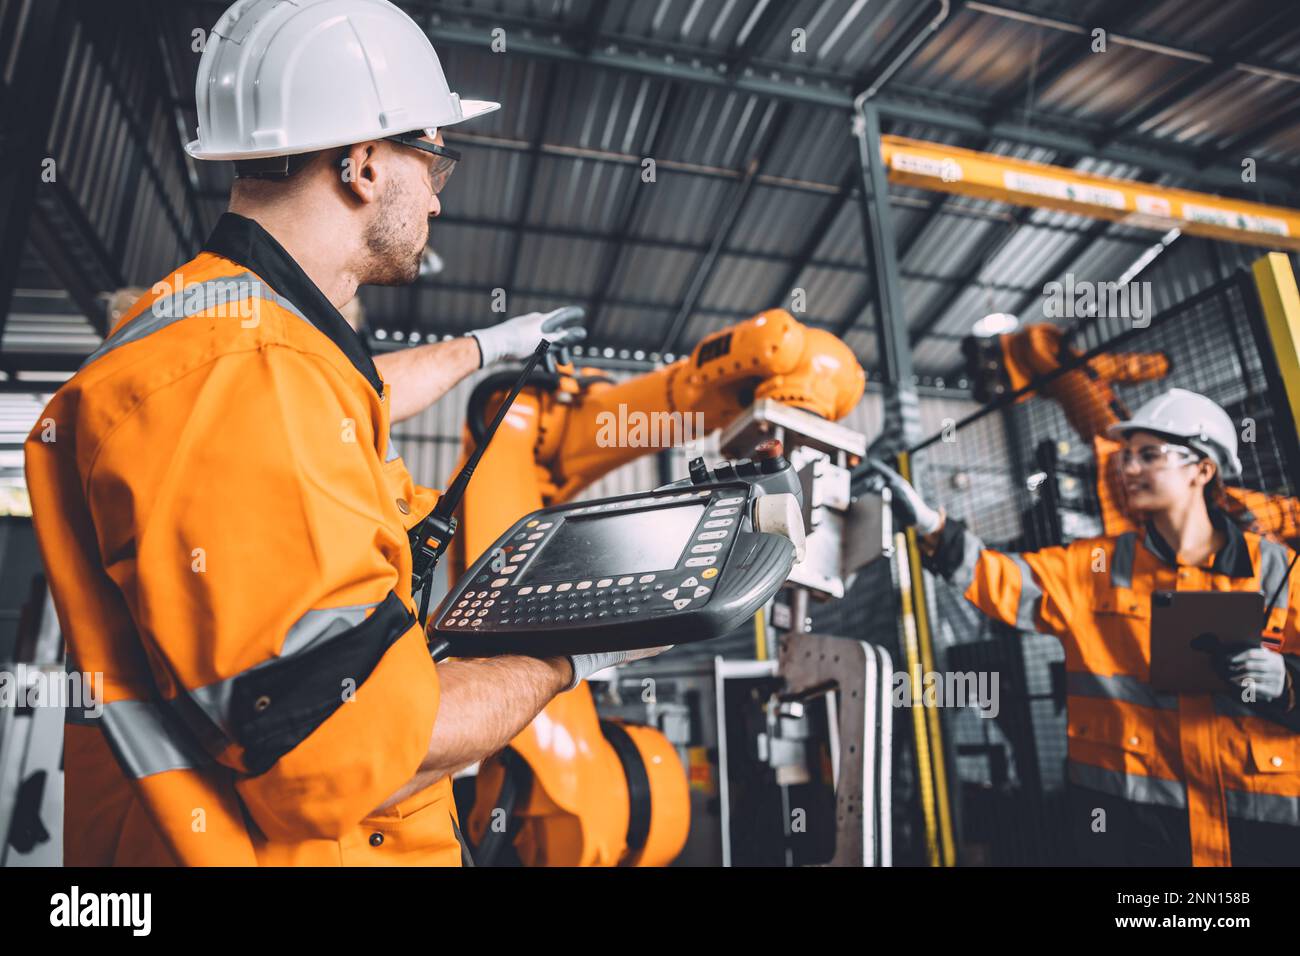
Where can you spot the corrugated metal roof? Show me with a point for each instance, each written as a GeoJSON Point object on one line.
{"type": "Point", "coordinates": [550, 202]}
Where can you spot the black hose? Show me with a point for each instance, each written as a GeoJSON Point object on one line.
{"type": "Point", "coordinates": [476, 409]}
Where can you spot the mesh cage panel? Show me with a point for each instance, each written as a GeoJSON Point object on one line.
{"type": "Point", "coordinates": [1023, 477]}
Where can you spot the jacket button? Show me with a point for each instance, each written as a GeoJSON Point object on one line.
{"type": "Point", "coordinates": [1133, 741]}
{"type": "Point", "coordinates": [1275, 761]}
{"type": "Point", "coordinates": [403, 507]}
{"type": "Point", "coordinates": [261, 703]}
{"type": "Point", "coordinates": [376, 839]}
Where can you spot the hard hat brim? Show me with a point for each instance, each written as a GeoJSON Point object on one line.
{"type": "Point", "coordinates": [469, 110]}
{"type": "Point", "coordinates": [472, 108]}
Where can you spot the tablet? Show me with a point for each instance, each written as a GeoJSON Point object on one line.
{"type": "Point", "coordinates": [1188, 627]}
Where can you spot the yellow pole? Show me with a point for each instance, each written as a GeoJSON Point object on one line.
{"type": "Point", "coordinates": [920, 729]}
{"type": "Point", "coordinates": [1281, 305]}
{"type": "Point", "coordinates": [934, 736]}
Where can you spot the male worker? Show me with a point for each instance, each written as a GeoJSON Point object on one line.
{"type": "Point", "coordinates": [220, 509]}
{"type": "Point", "coordinates": [1156, 778]}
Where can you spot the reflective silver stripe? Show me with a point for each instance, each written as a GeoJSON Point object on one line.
{"type": "Point", "coordinates": [1272, 570]}
{"type": "Point", "coordinates": [1262, 807]}
{"type": "Point", "coordinates": [1130, 786]}
{"type": "Point", "coordinates": [1030, 594]}
{"type": "Point", "coordinates": [147, 738]}
{"type": "Point", "coordinates": [190, 301]}
{"type": "Point", "coordinates": [312, 630]}
{"type": "Point", "coordinates": [1118, 687]}
{"type": "Point", "coordinates": [970, 555]}
{"type": "Point", "coordinates": [151, 737]}
{"type": "Point", "coordinates": [1121, 563]}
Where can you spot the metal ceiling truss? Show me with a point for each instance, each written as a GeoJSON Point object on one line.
{"type": "Point", "coordinates": [461, 27]}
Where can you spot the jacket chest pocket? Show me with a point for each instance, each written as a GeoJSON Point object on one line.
{"type": "Point", "coordinates": [1120, 730]}
{"type": "Point", "coordinates": [1123, 619]}
{"type": "Point", "coordinates": [1122, 604]}
{"type": "Point", "coordinates": [1275, 754]}
{"type": "Point", "coordinates": [413, 502]}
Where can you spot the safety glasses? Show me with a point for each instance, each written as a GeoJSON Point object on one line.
{"type": "Point", "coordinates": [1149, 456]}
{"type": "Point", "coordinates": [445, 158]}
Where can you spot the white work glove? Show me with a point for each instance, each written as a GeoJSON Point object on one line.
{"type": "Point", "coordinates": [909, 507]}
{"type": "Point", "coordinates": [1262, 666]}
{"type": "Point", "coordinates": [584, 665]}
{"type": "Point", "coordinates": [517, 338]}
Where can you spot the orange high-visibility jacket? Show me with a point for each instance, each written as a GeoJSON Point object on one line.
{"type": "Point", "coordinates": [1212, 756]}
{"type": "Point", "coordinates": [223, 519]}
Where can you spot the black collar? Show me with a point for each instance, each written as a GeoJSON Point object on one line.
{"type": "Point", "coordinates": [245, 242]}
{"type": "Point", "coordinates": [1233, 559]}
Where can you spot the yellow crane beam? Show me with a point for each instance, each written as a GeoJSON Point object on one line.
{"type": "Point", "coordinates": [966, 172]}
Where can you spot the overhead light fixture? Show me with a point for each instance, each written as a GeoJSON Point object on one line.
{"type": "Point", "coordinates": [995, 323]}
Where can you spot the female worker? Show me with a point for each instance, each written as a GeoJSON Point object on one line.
{"type": "Point", "coordinates": [1155, 778]}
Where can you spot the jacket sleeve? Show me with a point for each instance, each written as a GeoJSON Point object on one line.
{"type": "Point", "coordinates": [1031, 591]}
{"type": "Point", "coordinates": [243, 512]}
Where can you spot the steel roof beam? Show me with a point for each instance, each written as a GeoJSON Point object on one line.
{"type": "Point", "coordinates": [1072, 252]}
{"type": "Point", "coordinates": [27, 115]}
{"type": "Point", "coordinates": [530, 182]}
{"type": "Point", "coordinates": [638, 55]}
{"type": "Point", "coordinates": [970, 276]}
{"type": "Point", "coordinates": [765, 136]}
{"type": "Point", "coordinates": [628, 210]}
{"type": "Point", "coordinates": [475, 288]}
{"type": "Point", "coordinates": [170, 87]}
{"type": "Point", "coordinates": [138, 132]}
{"type": "Point", "coordinates": [770, 17]}
{"type": "Point", "coordinates": [805, 256]}
{"type": "Point", "coordinates": [1256, 136]}
{"type": "Point", "coordinates": [1201, 76]}
{"type": "Point", "coordinates": [1133, 40]}
{"type": "Point", "coordinates": [76, 276]}
{"type": "Point", "coordinates": [1066, 58]}
{"type": "Point", "coordinates": [1057, 133]}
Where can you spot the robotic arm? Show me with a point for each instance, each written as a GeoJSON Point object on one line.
{"type": "Point", "coordinates": [575, 426]}
{"type": "Point", "coordinates": [578, 790]}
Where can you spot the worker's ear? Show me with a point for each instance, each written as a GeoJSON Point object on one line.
{"type": "Point", "coordinates": [1206, 469]}
{"type": "Point", "coordinates": [362, 170]}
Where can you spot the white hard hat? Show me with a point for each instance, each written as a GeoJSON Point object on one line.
{"type": "Point", "coordinates": [1191, 419]}
{"type": "Point", "coordinates": [281, 77]}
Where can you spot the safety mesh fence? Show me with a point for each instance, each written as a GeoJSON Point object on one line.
{"type": "Point", "coordinates": [1023, 473]}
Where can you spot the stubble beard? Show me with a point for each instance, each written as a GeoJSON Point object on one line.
{"type": "Point", "coordinates": [394, 242]}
